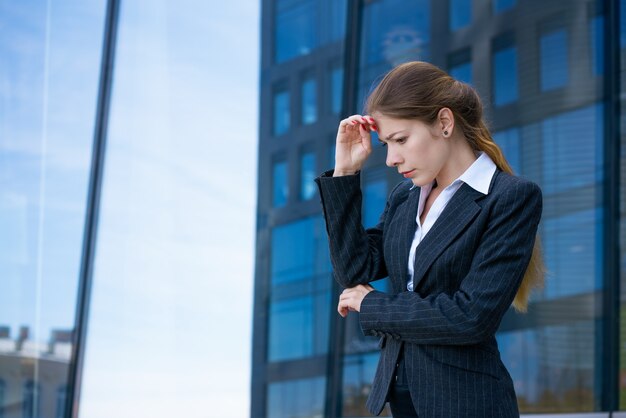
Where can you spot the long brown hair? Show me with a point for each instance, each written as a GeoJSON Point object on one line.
{"type": "Point", "coordinates": [419, 90]}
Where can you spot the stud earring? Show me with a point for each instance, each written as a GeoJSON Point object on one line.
{"type": "Point", "coordinates": [445, 133]}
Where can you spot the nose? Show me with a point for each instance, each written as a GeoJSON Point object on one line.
{"type": "Point", "coordinates": [393, 158]}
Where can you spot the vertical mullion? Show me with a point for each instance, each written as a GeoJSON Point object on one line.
{"type": "Point", "coordinates": [92, 210]}
{"type": "Point", "coordinates": [334, 401]}
{"type": "Point", "coordinates": [610, 341]}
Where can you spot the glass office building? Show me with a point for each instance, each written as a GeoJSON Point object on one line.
{"type": "Point", "coordinates": [552, 77]}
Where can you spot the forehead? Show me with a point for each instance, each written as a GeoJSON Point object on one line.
{"type": "Point", "coordinates": [388, 126]}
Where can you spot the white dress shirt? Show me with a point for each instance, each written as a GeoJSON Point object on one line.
{"type": "Point", "coordinates": [478, 176]}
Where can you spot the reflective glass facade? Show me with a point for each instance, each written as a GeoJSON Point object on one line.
{"type": "Point", "coordinates": [108, 204]}
{"type": "Point", "coordinates": [47, 106]}
{"type": "Point", "coordinates": [551, 75]}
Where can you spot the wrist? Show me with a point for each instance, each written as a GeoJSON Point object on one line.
{"type": "Point", "coordinates": [340, 172]}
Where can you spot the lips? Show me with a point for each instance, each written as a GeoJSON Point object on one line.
{"type": "Point", "coordinates": [407, 173]}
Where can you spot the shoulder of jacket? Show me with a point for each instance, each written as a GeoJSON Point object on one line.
{"type": "Point", "coordinates": [401, 191]}
{"type": "Point", "coordinates": [504, 180]}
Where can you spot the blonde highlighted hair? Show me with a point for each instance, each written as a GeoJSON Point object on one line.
{"type": "Point", "coordinates": [419, 90]}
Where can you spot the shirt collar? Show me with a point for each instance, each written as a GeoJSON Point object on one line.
{"type": "Point", "coordinates": [479, 174]}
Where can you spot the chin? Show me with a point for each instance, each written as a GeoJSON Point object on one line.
{"type": "Point", "coordinates": [418, 182]}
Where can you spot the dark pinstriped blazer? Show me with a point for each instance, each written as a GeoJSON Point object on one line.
{"type": "Point", "coordinates": [468, 268]}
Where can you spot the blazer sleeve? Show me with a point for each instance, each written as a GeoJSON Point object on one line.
{"type": "Point", "coordinates": [474, 312]}
{"type": "Point", "coordinates": [356, 253]}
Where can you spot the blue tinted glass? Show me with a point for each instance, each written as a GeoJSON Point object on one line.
{"type": "Point", "coordinates": [296, 31]}
{"type": "Point", "coordinates": [503, 5]}
{"type": "Point", "coordinates": [358, 375]}
{"type": "Point", "coordinates": [572, 245]}
{"type": "Point", "coordinates": [280, 184]}
{"type": "Point", "coordinates": [374, 200]}
{"type": "Point", "coordinates": [333, 21]}
{"type": "Point", "coordinates": [50, 66]}
{"type": "Point", "coordinates": [282, 114]}
{"type": "Point", "coordinates": [460, 13]}
{"type": "Point", "coordinates": [309, 101]}
{"type": "Point", "coordinates": [549, 364]}
{"type": "Point", "coordinates": [307, 175]}
{"type": "Point", "coordinates": [505, 88]}
{"type": "Point", "coordinates": [394, 31]}
{"type": "Point", "coordinates": [554, 61]}
{"type": "Point", "coordinates": [307, 259]}
{"type": "Point", "coordinates": [291, 329]}
{"type": "Point", "coordinates": [296, 398]}
{"type": "Point", "coordinates": [300, 298]}
{"type": "Point", "coordinates": [462, 72]}
{"type": "Point", "coordinates": [508, 141]}
{"type": "Point", "coordinates": [596, 30]}
{"type": "Point", "coordinates": [336, 89]}
{"type": "Point", "coordinates": [572, 149]}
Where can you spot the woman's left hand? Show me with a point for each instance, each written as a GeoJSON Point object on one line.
{"type": "Point", "coordinates": [350, 299]}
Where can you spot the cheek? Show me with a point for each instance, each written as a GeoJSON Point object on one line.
{"type": "Point", "coordinates": [425, 151]}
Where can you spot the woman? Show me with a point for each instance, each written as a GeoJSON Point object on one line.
{"type": "Point", "coordinates": [457, 242]}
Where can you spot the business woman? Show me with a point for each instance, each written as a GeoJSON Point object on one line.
{"type": "Point", "coordinates": [457, 240]}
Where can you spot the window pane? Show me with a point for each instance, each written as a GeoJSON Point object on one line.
{"type": "Point", "coordinates": [552, 367]}
{"type": "Point", "coordinates": [596, 32]}
{"type": "Point", "coordinates": [462, 72]}
{"type": "Point", "coordinates": [460, 13]}
{"type": "Point", "coordinates": [299, 309]}
{"type": "Point", "coordinates": [336, 89]}
{"type": "Point", "coordinates": [296, 398]}
{"type": "Point", "coordinates": [296, 31]}
{"type": "Point", "coordinates": [358, 375]}
{"type": "Point", "coordinates": [304, 261]}
{"type": "Point", "coordinates": [309, 101]}
{"type": "Point", "coordinates": [500, 6]}
{"type": "Point", "coordinates": [282, 113]}
{"type": "Point", "coordinates": [554, 60]}
{"type": "Point", "coordinates": [333, 15]}
{"type": "Point", "coordinates": [164, 245]}
{"type": "Point", "coordinates": [49, 75]}
{"type": "Point", "coordinates": [508, 141]}
{"type": "Point", "coordinates": [394, 31]}
{"type": "Point", "coordinates": [307, 176]}
{"type": "Point", "coordinates": [571, 244]}
{"type": "Point", "coordinates": [280, 184]}
{"type": "Point", "coordinates": [505, 88]}
{"type": "Point", "coordinates": [572, 143]}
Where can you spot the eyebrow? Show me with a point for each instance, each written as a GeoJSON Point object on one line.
{"type": "Point", "coordinates": [390, 137]}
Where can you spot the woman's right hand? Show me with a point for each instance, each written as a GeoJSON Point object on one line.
{"type": "Point", "coordinates": [353, 145]}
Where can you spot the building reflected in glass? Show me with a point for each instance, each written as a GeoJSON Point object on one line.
{"type": "Point", "coordinates": [548, 74]}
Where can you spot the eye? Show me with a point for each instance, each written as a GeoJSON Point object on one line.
{"type": "Point", "coordinates": [401, 140]}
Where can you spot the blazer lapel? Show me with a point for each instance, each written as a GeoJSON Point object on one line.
{"type": "Point", "coordinates": [459, 212]}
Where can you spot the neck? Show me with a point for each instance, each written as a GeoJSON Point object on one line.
{"type": "Point", "coordinates": [462, 156]}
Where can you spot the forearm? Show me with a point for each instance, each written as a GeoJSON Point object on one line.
{"type": "Point", "coordinates": [356, 253]}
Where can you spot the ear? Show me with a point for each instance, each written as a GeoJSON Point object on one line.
{"type": "Point", "coordinates": [445, 121]}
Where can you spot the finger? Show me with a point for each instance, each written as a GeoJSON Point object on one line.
{"type": "Point", "coordinates": [343, 311]}
{"type": "Point", "coordinates": [350, 121]}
